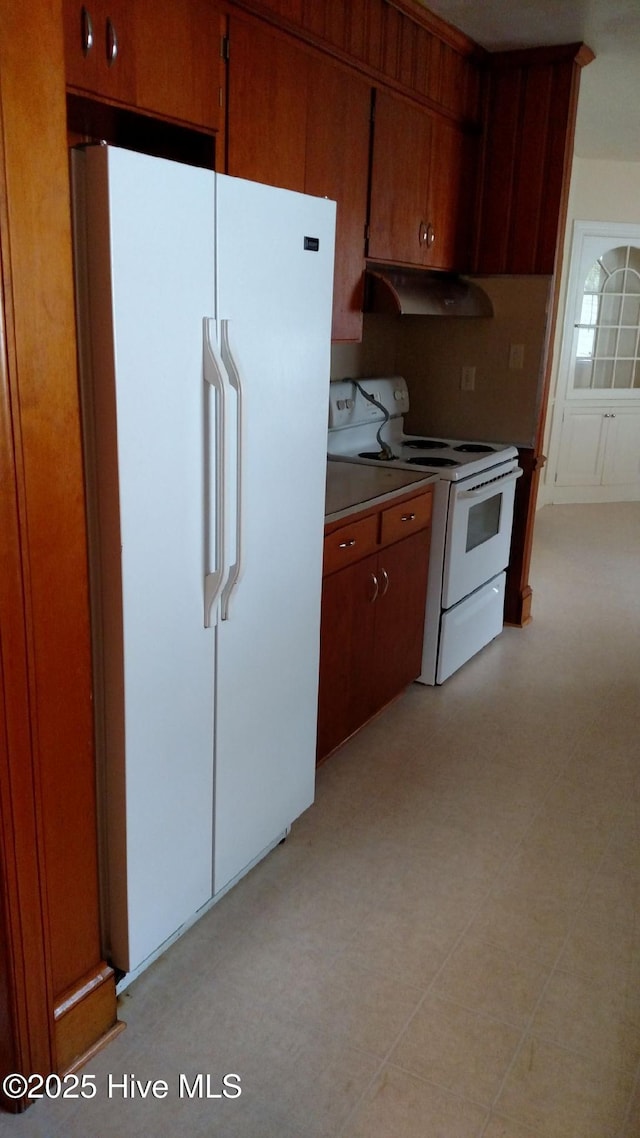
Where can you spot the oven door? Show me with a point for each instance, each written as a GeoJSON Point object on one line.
{"type": "Point", "coordinates": [478, 531]}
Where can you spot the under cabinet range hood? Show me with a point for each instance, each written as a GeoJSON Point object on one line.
{"type": "Point", "coordinates": [420, 292]}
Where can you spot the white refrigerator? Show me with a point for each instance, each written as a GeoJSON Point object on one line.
{"type": "Point", "coordinates": [204, 314]}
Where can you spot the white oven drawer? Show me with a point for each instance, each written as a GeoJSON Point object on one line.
{"type": "Point", "coordinates": [469, 625]}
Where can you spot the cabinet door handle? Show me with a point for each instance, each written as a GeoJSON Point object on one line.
{"type": "Point", "coordinates": [376, 588]}
{"type": "Point", "coordinates": [112, 42]}
{"type": "Point", "coordinates": [87, 30]}
{"type": "Point", "coordinates": [385, 581]}
{"type": "Point", "coordinates": [347, 544]}
{"type": "Point", "coordinates": [426, 234]}
{"type": "Point", "coordinates": [408, 518]}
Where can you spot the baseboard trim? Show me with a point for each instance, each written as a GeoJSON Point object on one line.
{"type": "Point", "coordinates": [85, 1018]}
{"type": "Point", "coordinates": [593, 495]}
{"type": "Point", "coordinates": [518, 614]}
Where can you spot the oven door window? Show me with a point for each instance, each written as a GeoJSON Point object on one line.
{"type": "Point", "coordinates": [478, 536]}
{"type": "Point", "coordinates": [483, 522]}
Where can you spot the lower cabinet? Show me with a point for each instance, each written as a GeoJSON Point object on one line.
{"type": "Point", "coordinates": [600, 446]}
{"type": "Point", "coordinates": [373, 608]}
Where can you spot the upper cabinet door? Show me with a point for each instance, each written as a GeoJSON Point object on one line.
{"type": "Point", "coordinates": [267, 109]}
{"type": "Point", "coordinates": [179, 66]}
{"type": "Point", "coordinates": [337, 166]}
{"type": "Point", "coordinates": [452, 192]}
{"type": "Point", "coordinates": [399, 212]}
{"type": "Point", "coordinates": [99, 48]}
{"type": "Point", "coordinates": [422, 187]}
{"type": "Point", "coordinates": [300, 121]}
{"type": "Point", "coordinates": [151, 55]}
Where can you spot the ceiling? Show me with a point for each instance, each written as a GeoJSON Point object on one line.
{"type": "Point", "coordinates": [608, 124]}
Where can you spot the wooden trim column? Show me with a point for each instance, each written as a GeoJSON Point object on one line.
{"type": "Point", "coordinates": [518, 591]}
{"type": "Point", "coordinates": [49, 916]}
{"type": "Point", "coordinates": [26, 1026]}
{"type": "Point", "coordinates": [531, 105]}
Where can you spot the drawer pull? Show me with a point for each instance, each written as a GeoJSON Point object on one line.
{"type": "Point", "coordinates": [347, 544]}
{"type": "Point", "coordinates": [408, 518]}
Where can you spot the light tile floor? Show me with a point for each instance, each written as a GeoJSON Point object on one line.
{"type": "Point", "coordinates": [448, 945]}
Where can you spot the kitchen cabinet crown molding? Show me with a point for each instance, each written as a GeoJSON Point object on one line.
{"type": "Point", "coordinates": [407, 49]}
{"type": "Point", "coordinates": [439, 27]}
{"type": "Point", "coordinates": [578, 53]}
{"type": "Point", "coordinates": [284, 13]}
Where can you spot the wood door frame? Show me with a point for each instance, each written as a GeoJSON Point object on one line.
{"type": "Point", "coordinates": [57, 996]}
{"type": "Point", "coordinates": [25, 981]}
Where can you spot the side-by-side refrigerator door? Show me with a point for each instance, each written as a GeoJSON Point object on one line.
{"type": "Point", "coordinates": [275, 253]}
{"type": "Point", "coordinates": [144, 231]}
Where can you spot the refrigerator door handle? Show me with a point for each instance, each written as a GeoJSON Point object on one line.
{"type": "Point", "coordinates": [235, 381]}
{"type": "Point", "coordinates": [216, 377]}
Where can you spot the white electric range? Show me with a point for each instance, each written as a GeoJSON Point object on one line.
{"type": "Point", "coordinates": [472, 514]}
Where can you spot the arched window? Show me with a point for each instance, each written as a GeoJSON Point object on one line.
{"type": "Point", "coordinates": [608, 340]}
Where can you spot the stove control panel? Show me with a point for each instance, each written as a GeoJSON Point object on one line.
{"type": "Point", "coordinates": [349, 408]}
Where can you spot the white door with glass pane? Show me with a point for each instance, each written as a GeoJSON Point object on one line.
{"type": "Point", "coordinates": [595, 439]}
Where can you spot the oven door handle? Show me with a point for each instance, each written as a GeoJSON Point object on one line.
{"type": "Point", "coordinates": [497, 482]}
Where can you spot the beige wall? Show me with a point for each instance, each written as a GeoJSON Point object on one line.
{"type": "Point", "coordinates": [431, 354]}
{"type": "Point", "coordinates": [376, 355]}
{"type": "Point", "coordinates": [431, 351]}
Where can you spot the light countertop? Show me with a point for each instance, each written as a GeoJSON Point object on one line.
{"type": "Point", "coordinates": [353, 486]}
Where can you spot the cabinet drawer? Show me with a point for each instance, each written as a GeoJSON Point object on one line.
{"type": "Point", "coordinates": [350, 543]}
{"type": "Point", "coordinates": [400, 521]}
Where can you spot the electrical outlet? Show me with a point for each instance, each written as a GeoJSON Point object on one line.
{"type": "Point", "coordinates": [468, 379]}
{"type": "Point", "coordinates": [516, 357]}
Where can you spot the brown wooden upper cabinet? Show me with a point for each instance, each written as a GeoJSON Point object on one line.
{"type": "Point", "coordinates": [337, 167]}
{"type": "Point", "coordinates": [421, 177]}
{"type": "Point", "coordinates": [100, 49]}
{"type": "Point", "coordinates": [531, 99]}
{"type": "Point", "coordinates": [299, 120]}
{"type": "Point", "coordinates": [399, 212]}
{"type": "Point", "coordinates": [151, 55]}
{"type": "Point", "coordinates": [452, 194]}
{"type": "Point", "coordinates": [267, 107]}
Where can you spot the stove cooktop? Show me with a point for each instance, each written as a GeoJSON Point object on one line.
{"type": "Point", "coordinates": [450, 458]}
{"type": "Point", "coordinates": [356, 428]}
